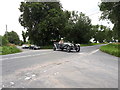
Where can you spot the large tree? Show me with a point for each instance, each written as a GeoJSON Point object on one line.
{"type": "Point", "coordinates": [78, 28]}
{"type": "Point", "coordinates": [111, 11]}
{"type": "Point", "coordinates": [43, 21]}
{"type": "Point", "coordinates": [24, 35]}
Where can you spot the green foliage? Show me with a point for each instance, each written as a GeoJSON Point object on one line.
{"type": "Point", "coordinates": [0, 50]}
{"type": "Point", "coordinates": [91, 44]}
{"type": "Point", "coordinates": [113, 49]}
{"type": "Point", "coordinates": [24, 35]}
{"type": "Point", "coordinates": [47, 22]}
{"type": "Point", "coordinates": [110, 10]}
{"type": "Point", "coordinates": [3, 41]}
{"type": "Point", "coordinates": [47, 47]}
{"type": "Point", "coordinates": [9, 50]}
{"type": "Point", "coordinates": [12, 37]}
{"type": "Point", "coordinates": [42, 20]}
{"type": "Point", "coordinates": [78, 28]}
{"type": "Point", "coordinates": [102, 33]}
{"type": "Point", "coordinates": [0, 40]}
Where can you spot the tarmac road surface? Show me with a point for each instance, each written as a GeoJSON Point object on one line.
{"type": "Point", "coordinates": [90, 68]}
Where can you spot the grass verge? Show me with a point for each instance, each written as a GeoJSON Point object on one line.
{"type": "Point", "coordinates": [91, 44]}
{"type": "Point", "coordinates": [112, 49]}
{"type": "Point", "coordinates": [9, 50]}
{"type": "Point", "coordinates": [47, 47]}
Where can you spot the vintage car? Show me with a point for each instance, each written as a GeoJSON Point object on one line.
{"type": "Point", "coordinates": [66, 46]}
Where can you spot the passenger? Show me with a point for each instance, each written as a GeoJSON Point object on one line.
{"type": "Point", "coordinates": [61, 41]}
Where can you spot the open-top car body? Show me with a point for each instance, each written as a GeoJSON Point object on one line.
{"type": "Point", "coordinates": [66, 46]}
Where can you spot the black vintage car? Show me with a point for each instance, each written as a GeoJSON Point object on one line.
{"type": "Point", "coordinates": [66, 46]}
{"type": "Point", "coordinates": [34, 47]}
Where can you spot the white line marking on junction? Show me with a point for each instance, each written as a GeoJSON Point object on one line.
{"type": "Point", "coordinates": [89, 53]}
{"type": "Point", "coordinates": [25, 56]}
{"type": "Point", "coordinates": [93, 52]}
{"type": "Point", "coordinates": [26, 52]}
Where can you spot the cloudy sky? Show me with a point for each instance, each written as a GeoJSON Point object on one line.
{"type": "Point", "coordinates": [10, 13]}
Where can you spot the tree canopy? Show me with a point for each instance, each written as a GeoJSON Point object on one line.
{"type": "Point", "coordinates": [12, 37]}
{"type": "Point", "coordinates": [111, 11]}
{"type": "Point", "coordinates": [102, 33]}
{"type": "Point", "coordinates": [24, 35]}
{"type": "Point", "coordinates": [46, 22]}
{"type": "Point", "coordinates": [43, 20]}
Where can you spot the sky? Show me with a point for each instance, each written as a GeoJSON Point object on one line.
{"type": "Point", "coordinates": [10, 13]}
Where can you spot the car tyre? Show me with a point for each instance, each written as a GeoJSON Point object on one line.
{"type": "Point", "coordinates": [54, 48]}
{"type": "Point", "coordinates": [68, 49]}
{"type": "Point", "coordinates": [77, 48]}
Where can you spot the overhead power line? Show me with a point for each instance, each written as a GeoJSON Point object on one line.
{"type": "Point", "coordinates": [93, 14]}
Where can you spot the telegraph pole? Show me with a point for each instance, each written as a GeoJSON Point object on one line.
{"type": "Point", "coordinates": [6, 32]}
{"type": "Point", "coordinates": [6, 29]}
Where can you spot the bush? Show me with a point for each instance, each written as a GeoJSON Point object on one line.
{"type": "Point", "coordinates": [112, 49]}
{"type": "Point", "coordinates": [9, 50]}
{"type": "Point", "coordinates": [3, 41]}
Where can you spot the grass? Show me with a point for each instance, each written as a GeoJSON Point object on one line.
{"type": "Point", "coordinates": [91, 44]}
{"type": "Point", "coordinates": [0, 50]}
{"type": "Point", "coordinates": [47, 47]}
{"type": "Point", "coordinates": [112, 49]}
{"type": "Point", "coordinates": [9, 50]}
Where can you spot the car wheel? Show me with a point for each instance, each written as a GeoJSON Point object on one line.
{"type": "Point", "coordinates": [68, 49]}
{"type": "Point", "coordinates": [54, 48]}
{"type": "Point", "coordinates": [77, 48]}
{"type": "Point", "coordinates": [62, 49]}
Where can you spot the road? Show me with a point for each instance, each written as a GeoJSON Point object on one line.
{"type": "Point", "coordinates": [90, 68]}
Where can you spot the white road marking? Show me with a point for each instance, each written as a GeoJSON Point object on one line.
{"type": "Point", "coordinates": [89, 53]}
{"type": "Point", "coordinates": [81, 53]}
{"type": "Point", "coordinates": [93, 52]}
{"type": "Point", "coordinates": [25, 56]}
{"type": "Point", "coordinates": [25, 52]}
{"type": "Point", "coordinates": [44, 54]}
{"type": "Point", "coordinates": [17, 53]}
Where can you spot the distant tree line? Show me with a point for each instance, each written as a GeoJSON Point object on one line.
{"type": "Point", "coordinates": [47, 22]}
{"type": "Point", "coordinates": [102, 34]}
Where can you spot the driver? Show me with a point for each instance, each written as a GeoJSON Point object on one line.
{"type": "Point", "coordinates": [61, 41]}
